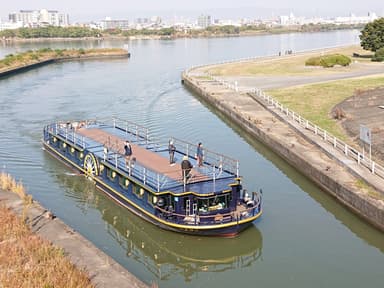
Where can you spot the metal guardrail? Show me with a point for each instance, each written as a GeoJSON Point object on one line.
{"type": "Point", "coordinates": [158, 181]}
{"type": "Point", "coordinates": [337, 144]}
{"type": "Point", "coordinates": [327, 137]}
{"type": "Point", "coordinates": [217, 161]}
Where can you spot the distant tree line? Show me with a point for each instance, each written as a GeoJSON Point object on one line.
{"type": "Point", "coordinates": [50, 32]}
{"type": "Point", "coordinates": [81, 32]}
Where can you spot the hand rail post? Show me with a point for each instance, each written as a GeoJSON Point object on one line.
{"type": "Point", "coordinates": [158, 182]}
{"type": "Point", "coordinates": [144, 177]}
{"type": "Point", "coordinates": [214, 178]}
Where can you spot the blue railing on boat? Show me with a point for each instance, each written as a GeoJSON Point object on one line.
{"type": "Point", "coordinates": [217, 166]}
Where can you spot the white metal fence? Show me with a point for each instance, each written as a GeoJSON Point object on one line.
{"type": "Point", "coordinates": [322, 134]}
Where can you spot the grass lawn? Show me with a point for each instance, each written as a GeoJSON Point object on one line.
{"type": "Point", "coordinates": [293, 65]}
{"type": "Point", "coordinates": [315, 101]}
{"type": "Point", "coordinates": [13, 61]}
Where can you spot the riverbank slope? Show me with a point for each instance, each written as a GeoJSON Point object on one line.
{"type": "Point", "coordinates": [102, 270]}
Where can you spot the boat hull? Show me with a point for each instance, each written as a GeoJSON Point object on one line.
{"type": "Point", "coordinates": [219, 230]}
{"type": "Point", "coordinates": [211, 203]}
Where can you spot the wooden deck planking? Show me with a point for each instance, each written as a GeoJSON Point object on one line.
{"type": "Point", "coordinates": [143, 156]}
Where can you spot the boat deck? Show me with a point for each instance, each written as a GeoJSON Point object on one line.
{"type": "Point", "coordinates": [151, 160]}
{"type": "Point", "coordinates": [146, 157]}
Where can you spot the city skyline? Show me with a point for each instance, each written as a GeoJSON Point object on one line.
{"type": "Point", "coordinates": [91, 11]}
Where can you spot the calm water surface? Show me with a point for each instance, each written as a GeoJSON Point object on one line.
{"type": "Point", "coordinates": [304, 239]}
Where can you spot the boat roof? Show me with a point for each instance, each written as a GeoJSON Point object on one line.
{"type": "Point", "coordinates": [150, 158]}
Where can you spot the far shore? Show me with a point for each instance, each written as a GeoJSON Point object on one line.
{"type": "Point", "coordinates": [158, 37]}
{"type": "Point", "coordinates": [13, 64]}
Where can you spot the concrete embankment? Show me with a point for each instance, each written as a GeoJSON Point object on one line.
{"type": "Point", "coordinates": [301, 152]}
{"type": "Point", "coordinates": [24, 68]}
{"type": "Point", "coordinates": [102, 269]}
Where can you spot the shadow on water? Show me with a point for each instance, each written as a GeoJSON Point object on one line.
{"type": "Point", "coordinates": [164, 254]}
{"type": "Point", "coordinates": [353, 222]}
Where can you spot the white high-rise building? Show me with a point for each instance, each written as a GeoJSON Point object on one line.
{"type": "Point", "coordinates": [204, 21]}
{"type": "Point", "coordinates": [37, 18]}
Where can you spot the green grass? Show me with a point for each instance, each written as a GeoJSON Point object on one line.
{"type": "Point", "coordinates": [363, 186]}
{"type": "Point", "coordinates": [33, 56]}
{"type": "Point", "coordinates": [315, 102]}
{"type": "Point", "coordinates": [329, 61]}
{"type": "Point", "coordinates": [293, 65]}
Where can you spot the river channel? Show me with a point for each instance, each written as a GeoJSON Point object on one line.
{"type": "Point", "coordinates": [304, 239]}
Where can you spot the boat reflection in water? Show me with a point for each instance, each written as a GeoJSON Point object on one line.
{"type": "Point", "coordinates": [165, 254]}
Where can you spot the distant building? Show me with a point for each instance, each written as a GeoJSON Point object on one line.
{"type": "Point", "coordinates": [204, 21]}
{"type": "Point", "coordinates": [38, 18]}
{"type": "Point", "coordinates": [108, 23]}
{"type": "Point", "coordinates": [352, 19]}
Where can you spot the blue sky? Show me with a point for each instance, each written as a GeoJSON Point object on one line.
{"type": "Point", "coordinates": [95, 10]}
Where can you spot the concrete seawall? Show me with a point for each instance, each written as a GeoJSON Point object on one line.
{"type": "Point", "coordinates": [31, 66]}
{"type": "Point", "coordinates": [300, 152]}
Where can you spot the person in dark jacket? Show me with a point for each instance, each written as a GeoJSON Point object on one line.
{"type": "Point", "coordinates": [127, 152]}
{"type": "Point", "coordinates": [186, 168]}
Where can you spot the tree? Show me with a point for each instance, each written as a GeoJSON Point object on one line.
{"type": "Point", "coordinates": [372, 36]}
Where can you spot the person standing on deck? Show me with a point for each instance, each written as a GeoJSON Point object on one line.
{"type": "Point", "coordinates": [105, 151]}
{"type": "Point", "coordinates": [186, 167]}
{"type": "Point", "coordinates": [127, 153]}
{"type": "Point", "coordinates": [199, 154]}
{"type": "Point", "coordinates": [171, 150]}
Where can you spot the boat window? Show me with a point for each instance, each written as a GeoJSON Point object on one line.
{"type": "Point", "coordinates": [124, 182]}
{"type": "Point", "coordinates": [111, 174]}
{"type": "Point", "coordinates": [152, 199]}
{"type": "Point", "coordinates": [139, 192]}
{"type": "Point", "coordinates": [80, 155]}
{"type": "Point", "coordinates": [72, 150]}
{"type": "Point", "coordinates": [214, 203]}
{"type": "Point", "coordinates": [63, 146]}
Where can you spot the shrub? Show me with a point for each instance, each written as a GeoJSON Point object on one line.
{"type": "Point", "coordinates": [45, 50]}
{"type": "Point", "coordinates": [379, 55]}
{"type": "Point", "coordinates": [328, 61]}
{"type": "Point", "coordinates": [59, 52]}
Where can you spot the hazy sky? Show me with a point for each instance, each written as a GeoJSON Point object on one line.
{"type": "Point", "coordinates": [85, 10]}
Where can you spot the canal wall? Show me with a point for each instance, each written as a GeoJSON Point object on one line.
{"type": "Point", "coordinates": [327, 172]}
{"type": "Point", "coordinates": [101, 268]}
{"type": "Point", "coordinates": [24, 68]}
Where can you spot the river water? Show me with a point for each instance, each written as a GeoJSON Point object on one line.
{"type": "Point", "coordinates": [304, 239]}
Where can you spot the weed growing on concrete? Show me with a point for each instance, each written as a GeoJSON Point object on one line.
{"type": "Point", "coordinates": [28, 261]}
